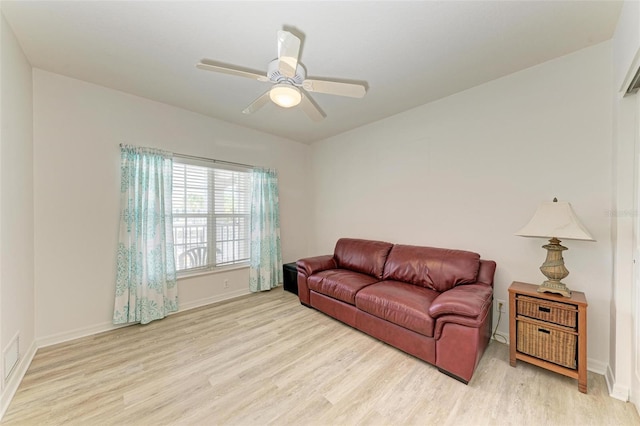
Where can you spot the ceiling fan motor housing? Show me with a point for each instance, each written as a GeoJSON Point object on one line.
{"type": "Point", "coordinates": [274, 74]}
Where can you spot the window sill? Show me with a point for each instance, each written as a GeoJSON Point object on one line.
{"type": "Point", "coordinates": [211, 271]}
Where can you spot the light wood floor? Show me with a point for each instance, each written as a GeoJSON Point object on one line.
{"type": "Point", "coordinates": [265, 359]}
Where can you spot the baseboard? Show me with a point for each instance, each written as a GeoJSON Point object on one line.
{"type": "Point", "coordinates": [214, 299]}
{"type": "Point", "coordinates": [16, 378]}
{"type": "Point", "coordinates": [615, 391]}
{"type": "Point", "coordinates": [66, 336]}
{"type": "Point", "coordinates": [597, 367]}
{"type": "Point", "coordinates": [54, 339]}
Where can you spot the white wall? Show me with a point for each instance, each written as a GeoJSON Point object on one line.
{"type": "Point", "coordinates": [469, 170]}
{"type": "Point", "coordinates": [16, 209]}
{"type": "Point", "coordinates": [77, 129]}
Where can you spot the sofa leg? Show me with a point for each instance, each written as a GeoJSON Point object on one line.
{"type": "Point", "coordinates": [460, 379]}
{"type": "Point", "coordinates": [306, 306]}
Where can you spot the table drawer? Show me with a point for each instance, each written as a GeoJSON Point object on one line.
{"type": "Point", "coordinates": [554, 312]}
{"type": "Point", "coordinates": [552, 344]}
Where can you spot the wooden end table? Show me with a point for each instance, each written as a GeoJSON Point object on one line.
{"type": "Point", "coordinates": [549, 330]}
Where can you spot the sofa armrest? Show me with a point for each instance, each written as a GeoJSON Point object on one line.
{"type": "Point", "coordinates": [468, 300]}
{"type": "Point", "coordinates": [311, 265]}
{"type": "Point", "coordinates": [486, 272]}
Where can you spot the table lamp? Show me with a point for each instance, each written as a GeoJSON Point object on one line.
{"type": "Point", "coordinates": [555, 219]}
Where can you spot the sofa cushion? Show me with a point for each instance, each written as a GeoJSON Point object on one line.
{"type": "Point", "coordinates": [435, 268]}
{"type": "Point", "coordinates": [403, 304]}
{"type": "Point", "coordinates": [340, 284]}
{"type": "Point", "coordinates": [363, 256]}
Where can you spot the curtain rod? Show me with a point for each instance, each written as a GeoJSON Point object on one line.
{"type": "Point", "coordinates": [212, 160]}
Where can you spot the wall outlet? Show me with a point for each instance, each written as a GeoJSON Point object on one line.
{"type": "Point", "coordinates": [226, 283]}
{"type": "Point", "coordinates": [501, 306]}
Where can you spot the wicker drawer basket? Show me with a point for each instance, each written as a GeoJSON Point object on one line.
{"type": "Point", "coordinates": [550, 344]}
{"type": "Point", "coordinates": [554, 312]}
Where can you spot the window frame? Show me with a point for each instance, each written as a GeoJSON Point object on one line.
{"type": "Point", "coordinates": [211, 219]}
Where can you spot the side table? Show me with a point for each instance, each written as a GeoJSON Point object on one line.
{"type": "Point", "coordinates": [549, 330]}
{"type": "Point", "coordinates": [290, 277]}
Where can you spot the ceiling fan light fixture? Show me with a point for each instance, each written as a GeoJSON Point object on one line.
{"type": "Point", "coordinates": [285, 95]}
{"type": "Point", "coordinates": [289, 78]}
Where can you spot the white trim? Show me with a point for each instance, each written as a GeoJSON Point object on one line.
{"type": "Point", "coordinates": [219, 270]}
{"type": "Point", "coordinates": [16, 378]}
{"type": "Point", "coordinates": [12, 349]}
{"type": "Point", "coordinates": [597, 367]}
{"type": "Point", "coordinates": [620, 392]}
{"type": "Point", "coordinates": [78, 333]}
{"type": "Point", "coordinates": [213, 299]}
{"type": "Point", "coordinates": [615, 391]}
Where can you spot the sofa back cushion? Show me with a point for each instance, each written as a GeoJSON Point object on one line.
{"type": "Point", "coordinates": [365, 256]}
{"type": "Point", "coordinates": [434, 268]}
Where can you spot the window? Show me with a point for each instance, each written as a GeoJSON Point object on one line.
{"type": "Point", "coordinates": [210, 216]}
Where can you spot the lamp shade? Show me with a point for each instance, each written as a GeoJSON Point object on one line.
{"type": "Point", "coordinates": [555, 219]}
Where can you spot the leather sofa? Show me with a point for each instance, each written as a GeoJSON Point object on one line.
{"type": "Point", "coordinates": [433, 303]}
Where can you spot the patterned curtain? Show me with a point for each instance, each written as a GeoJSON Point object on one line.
{"type": "Point", "coordinates": [146, 287]}
{"type": "Point", "coordinates": [266, 258]}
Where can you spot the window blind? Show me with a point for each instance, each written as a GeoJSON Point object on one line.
{"type": "Point", "coordinates": [211, 210]}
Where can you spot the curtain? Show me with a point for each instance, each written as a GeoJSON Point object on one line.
{"type": "Point", "coordinates": [266, 258]}
{"type": "Point", "coordinates": [146, 286]}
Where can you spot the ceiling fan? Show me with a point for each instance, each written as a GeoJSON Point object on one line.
{"type": "Point", "coordinates": [289, 78]}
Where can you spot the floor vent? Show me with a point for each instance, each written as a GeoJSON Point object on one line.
{"type": "Point", "coordinates": [11, 355]}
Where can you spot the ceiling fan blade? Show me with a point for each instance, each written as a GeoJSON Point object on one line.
{"type": "Point", "coordinates": [209, 65]}
{"type": "Point", "coordinates": [288, 51]}
{"type": "Point", "coordinates": [352, 90]}
{"type": "Point", "coordinates": [258, 103]}
{"type": "Point", "coordinates": [310, 107]}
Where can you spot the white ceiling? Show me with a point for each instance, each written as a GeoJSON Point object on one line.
{"type": "Point", "coordinates": [408, 53]}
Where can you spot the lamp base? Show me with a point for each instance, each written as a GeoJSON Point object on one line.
{"type": "Point", "coordinates": [553, 268]}
{"type": "Point", "coordinates": [550, 286]}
